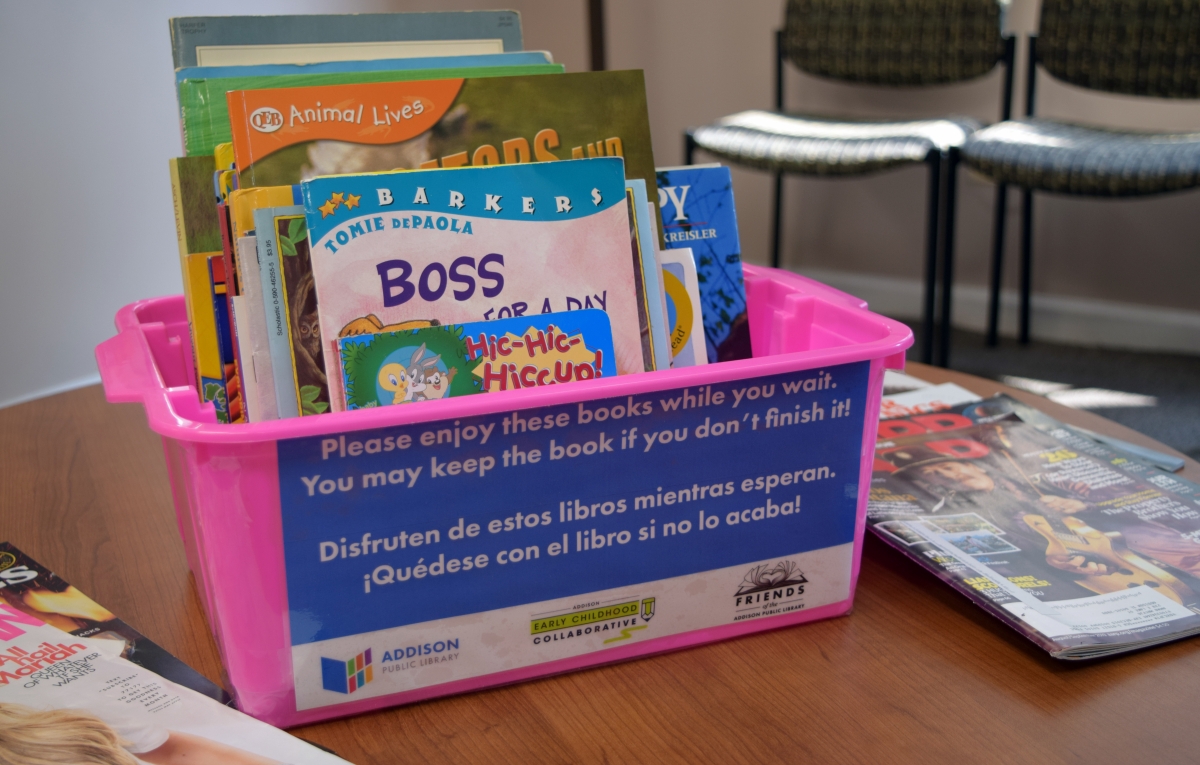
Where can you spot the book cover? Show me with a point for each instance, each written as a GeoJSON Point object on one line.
{"type": "Point", "coordinates": [472, 244]}
{"type": "Point", "coordinates": [204, 111]}
{"type": "Point", "coordinates": [221, 40]}
{"type": "Point", "coordinates": [251, 318]}
{"type": "Point", "coordinates": [222, 278]}
{"type": "Point", "coordinates": [696, 204]}
{"type": "Point", "coordinates": [684, 325]}
{"type": "Point", "coordinates": [517, 58]}
{"type": "Point", "coordinates": [69, 699]}
{"type": "Point", "coordinates": [1082, 550]}
{"type": "Point", "coordinates": [199, 237]}
{"type": "Point", "coordinates": [647, 273]}
{"type": "Point", "coordinates": [435, 362]}
{"type": "Point", "coordinates": [33, 589]}
{"type": "Point", "coordinates": [294, 330]}
{"type": "Point", "coordinates": [282, 136]}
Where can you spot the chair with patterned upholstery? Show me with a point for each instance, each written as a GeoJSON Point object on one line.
{"type": "Point", "coordinates": [897, 43]}
{"type": "Point", "coordinates": [1131, 47]}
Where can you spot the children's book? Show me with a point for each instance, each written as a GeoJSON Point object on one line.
{"type": "Point", "coordinates": [696, 204]}
{"type": "Point", "coordinates": [199, 236]}
{"type": "Point", "coordinates": [517, 58]}
{"type": "Point", "coordinates": [684, 324]}
{"type": "Point", "coordinates": [285, 135]}
{"type": "Point", "coordinates": [235, 40]}
{"type": "Point", "coordinates": [472, 244]}
{"type": "Point", "coordinates": [204, 114]}
{"type": "Point", "coordinates": [434, 362]}
{"type": "Point", "coordinates": [228, 400]}
{"type": "Point", "coordinates": [259, 379]}
{"type": "Point", "coordinates": [290, 305]}
{"type": "Point", "coordinates": [647, 272]}
{"type": "Point", "coordinates": [63, 695]}
{"type": "Point", "coordinates": [33, 589]}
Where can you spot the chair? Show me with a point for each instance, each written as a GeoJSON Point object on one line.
{"type": "Point", "coordinates": [1149, 48]}
{"type": "Point", "coordinates": [899, 43]}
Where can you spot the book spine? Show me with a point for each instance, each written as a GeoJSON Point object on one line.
{"type": "Point", "coordinates": [279, 336]}
{"type": "Point", "coordinates": [181, 239]}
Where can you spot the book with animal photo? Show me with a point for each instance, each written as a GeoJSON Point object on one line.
{"type": "Point", "coordinates": [284, 135]}
{"type": "Point", "coordinates": [1060, 537]}
{"type": "Point", "coordinates": [472, 244]}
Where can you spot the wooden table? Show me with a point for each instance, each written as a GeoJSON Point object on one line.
{"type": "Point", "coordinates": [916, 673]}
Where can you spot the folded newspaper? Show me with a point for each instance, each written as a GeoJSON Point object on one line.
{"type": "Point", "coordinates": [65, 699]}
{"type": "Point", "coordinates": [1086, 550]}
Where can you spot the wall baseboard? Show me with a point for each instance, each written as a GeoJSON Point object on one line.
{"type": "Point", "coordinates": [61, 388]}
{"type": "Point", "coordinates": [1055, 318]}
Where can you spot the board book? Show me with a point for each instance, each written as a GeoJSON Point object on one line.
{"type": "Point", "coordinates": [281, 136]}
{"type": "Point", "coordinates": [226, 40]}
{"type": "Point", "coordinates": [204, 113]}
{"type": "Point", "coordinates": [697, 210]}
{"type": "Point", "coordinates": [435, 362]}
{"type": "Point", "coordinates": [472, 244]}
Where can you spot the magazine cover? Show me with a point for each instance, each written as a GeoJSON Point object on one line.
{"type": "Point", "coordinates": [1074, 545]}
{"type": "Point", "coordinates": [68, 699]}
{"type": "Point", "coordinates": [697, 210]}
{"type": "Point", "coordinates": [433, 362]}
{"type": "Point", "coordinates": [284, 135]}
{"type": "Point", "coordinates": [31, 588]}
{"type": "Point", "coordinates": [472, 244]}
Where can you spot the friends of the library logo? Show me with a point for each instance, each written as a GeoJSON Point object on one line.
{"type": "Point", "coordinates": [765, 583]}
{"type": "Point", "coordinates": [348, 675]}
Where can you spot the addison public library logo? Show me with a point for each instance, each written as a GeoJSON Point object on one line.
{"type": "Point", "coordinates": [346, 676]}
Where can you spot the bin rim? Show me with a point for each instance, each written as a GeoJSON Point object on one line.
{"type": "Point", "coordinates": [129, 374]}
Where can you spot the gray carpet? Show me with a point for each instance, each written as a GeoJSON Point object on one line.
{"type": "Point", "coordinates": [1174, 380]}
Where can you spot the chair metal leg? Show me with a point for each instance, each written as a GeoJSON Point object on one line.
{"type": "Point", "coordinates": [689, 147]}
{"type": "Point", "coordinates": [929, 307]}
{"type": "Point", "coordinates": [1000, 221]}
{"type": "Point", "coordinates": [777, 221]}
{"type": "Point", "coordinates": [1026, 260]}
{"type": "Point", "coordinates": [951, 194]}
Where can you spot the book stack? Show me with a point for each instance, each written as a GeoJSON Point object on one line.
{"type": "Point", "coordinates": [388, 209]}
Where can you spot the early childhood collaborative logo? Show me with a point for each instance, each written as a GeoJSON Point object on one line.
{"type": "Point", "coordinates": [346, 676]}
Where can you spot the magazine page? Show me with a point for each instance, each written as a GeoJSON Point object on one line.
{"type": "Point", "coordinates": [1079, 552]}
{"type": "Point", "coordinates": [69, 699]}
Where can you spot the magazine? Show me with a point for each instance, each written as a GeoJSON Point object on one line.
{"type": "Point", "coordinates": [72, 699]}
{"type": "Point", "coordinates": [31, 588]}
{"type": "Point", "coordinates": [1085, 550]}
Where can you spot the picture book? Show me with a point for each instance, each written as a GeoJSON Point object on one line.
{"type": "Point", "coordinates": [684, 324]}
{"type": "Point", "coordinates": [646, 271]}
{"type": "Point", "coordinates": [516, 58]}
{"type": "Point", "coordinates": [33, 589]}
{"type": "Point", "coordinates": [250, 317]}
{"type": "Point", "coordinates": [204, 111]}
{"type": "Point", "coordinates": [199, 237]}
{"type": "Point", "coordinates": [282, 136]}
{"type": "Point", "coordinates": [1080, 548]}
{"type": "Point", "coordinates": [290, 305]}
{"type": "Point", "coordinates": [472, 244]}
{"type": "Point", "coordinates": [234, 40]}
{"type": "Point", "coordinates": [227, 401]}
{"type": "Point", "coordinates": [696, 204]}
{"type": "Point", "coordinates": [434, 362]}
{"type": "Point", "coordinates": [64, 695]}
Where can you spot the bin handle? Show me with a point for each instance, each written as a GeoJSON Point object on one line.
{"type": "Point", "coordinates": [125, 367]}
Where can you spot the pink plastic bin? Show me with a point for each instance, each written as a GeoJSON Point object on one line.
{"type": "Point", "coordinates": [226, 483]}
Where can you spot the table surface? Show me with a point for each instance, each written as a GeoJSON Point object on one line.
{"type": "Point", "coordinates": [915, 673]}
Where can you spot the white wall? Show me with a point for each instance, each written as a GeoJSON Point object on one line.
{"type": "Point", "coordinates": [88, 124]}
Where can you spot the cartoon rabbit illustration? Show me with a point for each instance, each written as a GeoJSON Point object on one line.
{"type": "Point", "coordinates": [419, 368]}
{"type": "Point", "coordinates": [411, 383]}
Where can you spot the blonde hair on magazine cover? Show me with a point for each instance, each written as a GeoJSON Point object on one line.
{"type": "Point", "coordinates": [57, 737]}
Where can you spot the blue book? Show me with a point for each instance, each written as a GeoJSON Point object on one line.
{"type": "Point", "coordinates": [201, 40]}
{"type": "Point", "coordinates": [432, 362]}
{"type": "Point", "coordinates": [697, 209]}
{"type": "Point", "coordinates": [519, 58]}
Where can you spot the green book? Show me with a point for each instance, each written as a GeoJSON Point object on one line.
{"type": "Point", "coordinates": [205, 114]}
